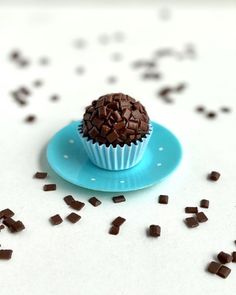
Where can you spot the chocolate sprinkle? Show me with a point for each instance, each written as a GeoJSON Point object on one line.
{"type": "Point", "coordinates": [56, 219]}
{"type": "Point", "coordinates": [5, 254]}
{"type": "Point", "coordinates": [73, 217]}
{"type": "Point", "coordinates": [94, 201]}
{"type": "Point", "coordinates": [49, 187]}
{"type": "Point", "coordinates": [119, 199]}
{"type": "Point", "coordinates": [40, 175]}
{"type": "Point", "coordinates": [224, 257]}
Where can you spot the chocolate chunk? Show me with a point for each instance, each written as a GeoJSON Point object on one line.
{"type": "Point", "coordinates": [118, 221]}
{"type": "Point", "coordinates": [111, 137]}
{"type": "Point", "coordinates": [6, 213]}
{"type": "Point", "coordinates": [180, 87]}
{"type": "Point", "coordinates": [18, 226]}
{"type": "Point", "coordinates": [200, 109]}
{"type": "Point", "coordinates": [73, 217]}
{"type": "Point", "coordinates": [69, 199]}
{"type": "Point", "coordinates": [224, 257]}
{"type": "Point", "coordinates": [9, 222]}
{"type": "Point", "coordinates": [2, 227]}
{"type": "Point", "coordinates": [214, 267]}
{"type": "Point", "coordinates": [94, 201]}
{"type": "Point", "coordinates": [211, 115]}
{"type": "Point", "coordinates": [154, 230]}
{"type": "Point", "coordinates": [114, 230]}
{"type": "Point", "coordinates": [77, 205]}
{"type": "Point", "coordinates": [234, 256]}
{"type": "Point", "coordinates": [224, 271]}
{"type": "Point", "coordinates": [49, 187]}
{"type": "Point", "coordinates": [225, 109]}
{"type": "Point", "coordinates": [163, 199]}
{"type": "Point", "coordinates": [201, 217]}
{"type": "Point", "coordinates": [119, 199]}
{"type": "Point", "coordinates": [214, 176]}
{"type": "Point", "coordinates": [41, 175]}
{"type": "Point", "coordinates": [204, 203]}
{"type": "Point", "coordinates": [56, 219]}
{"type": "Point", "coordinates": [191, 222]}
{"type": "Point", "coordinates": [191, 210]}
{"type": "Point", "coordinates": [5, 254]}
{"type": "Point", "coordinates": [30, 118]}
{"type": "Point", "coordinates": [165, 91]}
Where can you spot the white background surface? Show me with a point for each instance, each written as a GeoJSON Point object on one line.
{"type": "Point", "coordinates": [83, 258]}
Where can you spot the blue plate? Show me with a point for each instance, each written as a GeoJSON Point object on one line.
{"type": "Point", "coordinates": [66, 156]}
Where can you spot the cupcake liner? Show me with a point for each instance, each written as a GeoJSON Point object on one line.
{"type": "Point", "coordinates": [115, 158]}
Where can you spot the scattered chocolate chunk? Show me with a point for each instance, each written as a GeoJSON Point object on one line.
{"type": "Point", "coordinates": [224, 271]}
{"type": "Point", "coordinates": [224, 257]}
{"type": "Point", "coordinates": [9, 222]}
{"type": "Point", "coordinates": [114, 230]}
{"type": "Point", "coordinates": [5, 254]}
{"type": "Point", "coordinates": [204, 203]}
{"type": "Point", "coordinates": [118, 221]}
{"type": "Point", "coordinates": [200, 109]}
{"type": "Point", "coordinates": [69, 199]}
{"type": "Point", "coordinates": [234, 256]}
{"type": "Point", "coordinates": [165, 91]}
{"type": "Point", "coordinates": [6, 213]}
{"type": "Point", "coordinates": [2, 227]}
{"type": "Point", "coordinates": [73, 217]}
{"type": "Point", "coordinates": [225, 109]}
{"type": "Point", "coordinates": [119, 199]}
{"type": "Point", "coordinates": [180, 87]}
{"type": "Point", "coordinates": [191, 210]}
{"type": "Point", "coordinates": [77, 205]}
{"type": "Point", "coordinates": [191, 222]}
{"type": "Point", "coordinates": [18, 226]}
{"type": "Point", "coordinates": [56, 219]}
{"type": "Point", "coordinates": [201, 217]}
{"type": "Point", "coordinates": [30, 119]}
{"type": "Point", "coordinates": [54, 97]}
{"type": "Point", "coordinates": [38, 83]}
{"type": "Point", "coordinates": [49, 187]}
{"type": "Point", "coordinates": [40, 175]}
{"type": "Point", "coordinates": [154, 230]}
{"type": "Point", "coordinates": [211, 115]}
{"type": "Point", "coordinates": [163, 199]}
{"type": "Point", "coordinates": [15, 54]}
{"type": "Point", "coordinates": [214, 176]}
{"type": "Point", "coordinates": [214, 267]}
{"type": "Point", "coordinates": [94, 201]}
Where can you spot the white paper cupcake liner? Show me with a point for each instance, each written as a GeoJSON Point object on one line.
{"type": "Point", "coordinates": [115, 158]}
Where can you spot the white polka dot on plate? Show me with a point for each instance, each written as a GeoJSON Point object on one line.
{"type": "Point", "coordinates": [159, 164]}
{"type": "Point", "coordinates": [66, 157]}
{"type": "Point", "coordinates": [122, 181]}
{"type": "Point", "coordinates": [92, 179]}
{"type": "Point", "coordinates": [71, 141]}
{"type": "Point", "coordinates": [160, 148]}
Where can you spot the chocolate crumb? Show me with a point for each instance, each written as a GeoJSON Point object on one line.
{"type": "Point", "coordinates": [200, 109]}
{"type": "Point", "coordinates": [234, 256]}
{"type": "Point", "coordinates": [56, 219]}
{"type": "Point", "coordinates": [225, 109]}
{"type": "Point", "coordinates": [77, 205]}
{"type": "Point", "coordinates": [2, 227]}
{"type": "Point", "coordinates": [37, 83]}
{"type": "Point", "coordinates": [54, 97]}
{"type": "Point", "coordinates": [94, 201]}
{"type": "Point", "coordinates": [211, 115]}
{"type": "Point", "coordinates": [6, 213]}
{"type": "Point", "coordinates": [30, 119]}
{"type": "Point", "coordinates": [201, 217]}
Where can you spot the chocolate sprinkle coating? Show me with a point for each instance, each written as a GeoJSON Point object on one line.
{"type": "Point", "coordinates": [115, 119]}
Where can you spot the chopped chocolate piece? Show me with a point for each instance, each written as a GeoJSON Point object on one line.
{"type": "Point", "coordinates": [5, 254]}
{"type": "Point", "coordinates": [56, 219]}
{"type": "Point", "coordinates": [224, 257]}
{"type": "Point", "coordinates": [154, 230]}
{"type": "Point", "coordinates": [234, 256]}
{"type": "Point", "coordinates": [69, 199]}
{"type": "Point", "coordinates": [2, 227]}
{"type": "Point", "coordinates": [191, 210]}
{"type": "Point", "coordinates": [119, 199]}
{"type": "Point", "coordinates": [9, 222]}
{"type": "Point", "coordinates": [94, 201]}
{"type": "Point", "coordinates": [73, 217]}
{"type": "Point", "coordinates": [225, 109]}
{"type": "Point", "coordinates": [214, 176]}
{"type": "Point", "coordinates": [191, 222]}
{"type": "Point", "coordinates": [114, 230]}
{"type": "Point", "coordinates": [54, 97]}
{"type": "Point", "coordinates": [165, 91]}
{"type": "Point", "coordinates": [201, 217]}
{"type": "Point", "coordinates": [211, 115]}
{"type": "Point", "coordinates": [41, 175]}
{"type": "Point", "coordinates": [6, 213]}
{"type": "Point", "coordinates": [204, 203]}
{"type": "Point", "coordinates": [49, 187]}
{"type": "Point", "coordinates": [224, 271]}
{"type": "Point", "coordinates": [17, 226]}
{"type": "Point", "coordinates": [30, 119]}
{"type": "Point", "coordinates": [213, 267]}
{"type": "Point", "coordinates": [200, 109]}
{"type": "Point", "coordinates": [163, 199]}
{"type": "Point", "coordinates": [118, 221]}
{"type": "Point", "coordinates": [77, 205]}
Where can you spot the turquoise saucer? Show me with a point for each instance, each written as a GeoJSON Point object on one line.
{"type": "Point", "coordinates": [66, 156]}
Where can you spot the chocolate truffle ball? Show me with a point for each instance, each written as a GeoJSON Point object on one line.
{"type": "Point", "coordinates": [115, 119]}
